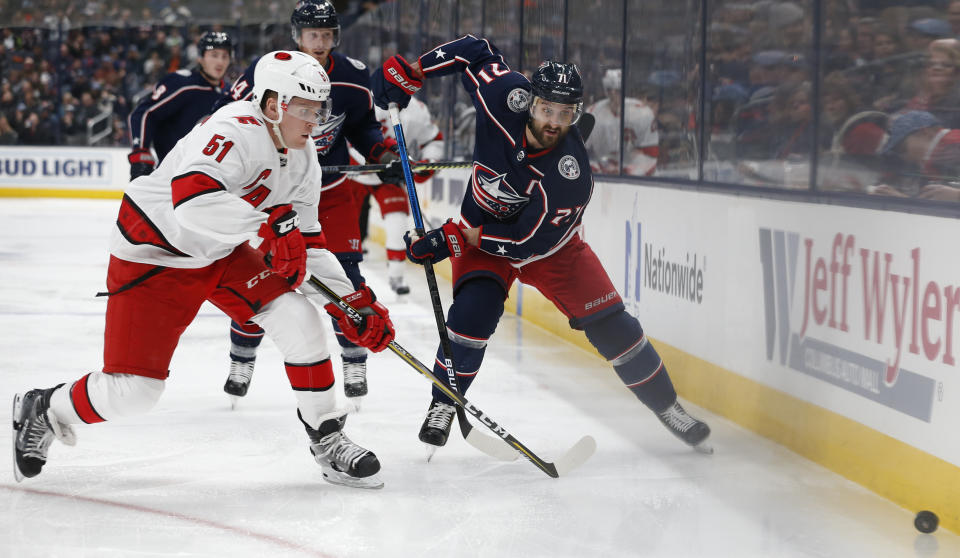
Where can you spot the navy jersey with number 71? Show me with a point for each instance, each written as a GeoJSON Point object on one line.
{"type": "Point", "coordinates": [528, 203]}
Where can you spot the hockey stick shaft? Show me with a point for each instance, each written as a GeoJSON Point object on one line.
{"type": "Point", "coordinates": [574, 457]}
{"type": "Point", "coordinates": [437, 165]}
{"type": "Point", "coordinates": [435, 302]}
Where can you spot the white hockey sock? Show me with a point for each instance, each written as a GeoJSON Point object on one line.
{"type": "Point", "coordinates": [395, 224]}
{"type": "Point", "coordinates": [110, 396]}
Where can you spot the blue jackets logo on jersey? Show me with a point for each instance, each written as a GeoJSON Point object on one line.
{"type": "Point", "coordinates": [326, 134]}
{"type": "Point", "coordinates": [494, 194]}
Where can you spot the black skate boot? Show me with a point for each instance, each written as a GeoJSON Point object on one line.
{"type": "Point", "coordinates": [341, 460]}
{"type": "Point", "coordinates": [436, 426]}
{"type": "Point", "coordinates": [354, 378]}
{"type": "Point", "coordinates": [34, 427]}
{"type": "Point", "coordinates": [238, 382]}
{"type": "Point", "coordinates": [399, 286]}
{"type": "Point", "coordinates": [692, 431]}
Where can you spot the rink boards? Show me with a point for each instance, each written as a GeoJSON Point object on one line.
{"type": "Point", "coordinates": [830, 330]}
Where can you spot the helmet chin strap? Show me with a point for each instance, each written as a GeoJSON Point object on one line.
{"type": "Point", "coordinates": [275, 124]}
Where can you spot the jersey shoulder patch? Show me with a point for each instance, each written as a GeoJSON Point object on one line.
{"type": "Point", "coordinates": [518, 99]}
{"type": "Point", "coordinates": [184, 73]}
{"type": "Point", "coordinates": [356, 63]}
{"type": "Point", "coordinates": [568, 167]}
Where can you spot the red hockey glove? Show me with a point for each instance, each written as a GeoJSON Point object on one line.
{"type": "Point", "coordinates": [141, 162]}
{"type": "Point", "coordinates": [285, 251]}
{"type": "Point", "coordinates": [436, 245]}
{"type": "Point", "coordinates": [375, 331]}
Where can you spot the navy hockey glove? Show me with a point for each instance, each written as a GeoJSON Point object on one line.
{"type": "Point", "coordinates": [141, 162]}
{"type": "Point", "coordinates": [393, 174]}
{"type": "Point", "coordinates": [375, 331]}
{"type": "Point", "coordinates": [285, 251]}
{"type": "Point", "coordinates": [436, 245]}
{"type": "Point", "coordinates": [394, 82]}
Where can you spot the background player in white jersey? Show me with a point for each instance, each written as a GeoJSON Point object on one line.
{"type": "Point", "coordinates": [184, 235]}
{"type": "Point", "coordinates": [424, 143]}
{"type": "Point", "coordinates": [641, 140]}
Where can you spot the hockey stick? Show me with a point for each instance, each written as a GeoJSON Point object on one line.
{"type": "Point", "coordinates": [438, 165]}
{"type": "Point", "coordinates": [414, 200]}
{"type": "Point", "coordinates": [573, 458]}
{"type": "Point", "coordinates": [585, 125]}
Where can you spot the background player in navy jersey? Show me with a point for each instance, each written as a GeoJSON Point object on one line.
{"type": "Point", "coordinates": [316, 30]}
{"type": "Point", "coordinates": [178, 102]}
{"type": "Point", "coordinates": [521, 220]}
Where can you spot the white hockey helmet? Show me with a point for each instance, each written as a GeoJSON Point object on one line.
{"type": "Point", "coordinates": [290, 74]}
{"type": "Point", "coordinates": [611, 79]}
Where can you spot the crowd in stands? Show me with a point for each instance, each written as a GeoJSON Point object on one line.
{"type": "Point", "coordinates": [66, 64]}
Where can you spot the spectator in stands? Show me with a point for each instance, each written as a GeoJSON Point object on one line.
{"type": "Point", "coordinates": [8, 136]}
{"type": "Point", "coordinates": [921, 32]}
{"type": "Point", "coordinates": [938, 90]}
{"type": "Point", "coordinates": [953, 16]}
{"type": "Point", "coordinates": [921, 142]}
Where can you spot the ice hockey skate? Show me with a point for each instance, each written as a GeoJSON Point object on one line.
{"type": "Point", "coordinates": [693, 432]}
{"type": "Point", "coordinates": [34, 428]}
{"type": "Point", "coordinates": [354, 380]}
{"type": "Point", "coordinates": [341, 460]}
{"type": "Point", "coordinates": [399, 285]}
{"type": "Point", "coordinates": [436, 426]}
{"type": "Point", "coordinates": [238, 382]}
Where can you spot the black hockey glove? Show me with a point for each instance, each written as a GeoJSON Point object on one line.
{"type": "Point", "coordinates": [393, 174]}
{"type": "Point", "coordinates": [141, 162]}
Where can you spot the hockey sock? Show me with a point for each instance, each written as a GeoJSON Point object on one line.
{"type": "Point", "coordinates": [244, 340]}
{"type": "Point", "coordinates": [472, 319]}
{"type": "Point", "coordinates": [621, 340]}
{"type": "Point", "coordinates": [97, 397]}
{"type": "Point", "coordinates": [311, 384]}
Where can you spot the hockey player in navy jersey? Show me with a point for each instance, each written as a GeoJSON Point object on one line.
{"type": "Point", "coordinates": [521, 220]}
{"type": "Point", "coordinates": [316, 30]}
{"type": "Point", "coordinates": [178, 102]}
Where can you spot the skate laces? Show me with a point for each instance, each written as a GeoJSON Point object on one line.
{"type": "Point", "coordinates": [36, 433]}
{"type": "Point", "coordinates": [241, 372]}
{"type": "Point", "coordinates": [354, 372]}
{"type": "Point", "coordinates": [440, 415]}
{"type": "Point", "coordinates": [337, 447]}
{"type": "Point", "coordinates": [677, 418]}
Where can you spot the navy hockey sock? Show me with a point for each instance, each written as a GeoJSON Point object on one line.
{"type": "Point", "coordinates": [244, 340]}
{"type": "Point", "coordinates": [621, 340]}
{"type": "Point", "coordinates": [471, 320]}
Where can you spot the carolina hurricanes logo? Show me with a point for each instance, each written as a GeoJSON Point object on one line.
{"type": "Point", "coordinates": [326, 134]}
{"type": "Point", "coordinates": [494, 194]}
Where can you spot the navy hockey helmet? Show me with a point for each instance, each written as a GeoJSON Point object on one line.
{"type": "Point", "coordinates": [315, 14]}
{"type": "Point", "coordinates": [215, 39]}
{"type": "Point", "coordinates": [557, 82]}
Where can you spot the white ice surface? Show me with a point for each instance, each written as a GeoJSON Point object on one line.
{"type": "Point", "coordinates": [193, 478]}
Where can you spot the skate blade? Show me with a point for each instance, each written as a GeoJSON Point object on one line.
{"type": "Point", "coordinates": [17, 475]}
{"type": "Point", "coordinates": [704, 448]}
{"type": "Point", "coordinates": [373, 482]}
{"type": "Point", "coordinates": [234, 402]}
{"type": "Point", "coordinates": [355, 403]}
{"type": "Point", "coordinates": [431, 449]}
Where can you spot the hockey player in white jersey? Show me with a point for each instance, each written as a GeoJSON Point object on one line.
{"type": "Point", "coordinates": [424, 144]}
{"type": "Point", "coordinates": [641, 139]}
{"type": "Point", "coordinates": [229, 216]}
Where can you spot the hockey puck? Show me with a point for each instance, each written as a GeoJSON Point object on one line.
{"type": "Point", "coordinates": [926, 521]}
